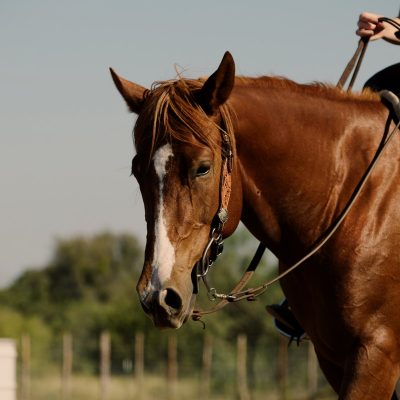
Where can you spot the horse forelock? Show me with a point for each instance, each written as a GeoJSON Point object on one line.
{"type": "Point", "coordinates": [171, 113]}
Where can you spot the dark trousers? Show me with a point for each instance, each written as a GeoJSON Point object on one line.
{"type": "Point", "coordinates": [388, 78]}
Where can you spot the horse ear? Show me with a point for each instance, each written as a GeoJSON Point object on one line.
{"type": "Point", "coordinates": [218, 86]}
{"type": "Point", "coordinates": [131, 92]}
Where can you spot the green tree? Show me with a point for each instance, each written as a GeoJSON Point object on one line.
{"type": "Point", "coordinates": [13, 325]}
{"type": "Point", "coordinates": [89, 286]}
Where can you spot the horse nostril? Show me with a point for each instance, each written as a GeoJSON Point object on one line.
{"type": "Point", "coordinates": [173, 300]}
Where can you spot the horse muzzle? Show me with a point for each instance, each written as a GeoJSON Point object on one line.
{"type": "Point", "coordinates": [165, 307]}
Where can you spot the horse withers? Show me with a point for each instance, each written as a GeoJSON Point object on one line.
{"type": "Point", "coordinates": [298, 153]}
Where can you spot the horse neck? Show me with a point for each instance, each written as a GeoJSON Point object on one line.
{"type": "Point", "coordinates": [300, 156]}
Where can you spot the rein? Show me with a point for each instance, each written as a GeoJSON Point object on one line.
{"type": "Point", "coordinates": [250, 294]}
{"type": "Point", "coordinates": [354, 63]}
{"type": "Point", "coordinates": [356, 60]}
{"type": "Point", "coordinates": [392, 22]}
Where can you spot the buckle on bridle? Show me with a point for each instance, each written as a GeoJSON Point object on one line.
{"type": "Point", "coordinates": [222, 216]}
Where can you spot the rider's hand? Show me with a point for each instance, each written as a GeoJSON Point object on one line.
{"type": "Point", "coordinates": [369, 26]}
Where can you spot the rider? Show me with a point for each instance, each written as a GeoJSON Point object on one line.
{"type": "Point", "coordinates": [389, 78]}
{"type": "Point", "coordinates": [369, 26]}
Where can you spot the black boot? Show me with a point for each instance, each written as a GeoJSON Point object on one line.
{"type": "Point", "coordinates": [285, 321]}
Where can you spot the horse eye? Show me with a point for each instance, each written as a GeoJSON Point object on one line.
{"type": "Point", "coordinates": [202, 170]}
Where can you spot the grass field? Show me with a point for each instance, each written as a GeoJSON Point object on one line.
{"type": "Point", "coordinates": [49, 387]}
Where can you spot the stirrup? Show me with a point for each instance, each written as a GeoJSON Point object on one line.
{"type": "Point", "coordinates": [285, 322]}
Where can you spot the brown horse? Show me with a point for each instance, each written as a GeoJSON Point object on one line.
{"type": "Point", "coordinates": [298, 153]}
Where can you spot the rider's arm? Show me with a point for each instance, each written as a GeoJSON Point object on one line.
{"type": "Point", "coordinates": [368, 25]}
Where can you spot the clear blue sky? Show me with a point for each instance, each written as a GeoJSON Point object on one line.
{"type": "Point", "coordinates": [65, 134]}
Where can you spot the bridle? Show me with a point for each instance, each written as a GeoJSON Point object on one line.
{"type": "Point", "coordinates": [214, 246]}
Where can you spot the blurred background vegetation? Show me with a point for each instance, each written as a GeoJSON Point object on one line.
{"type": "Point", "coordinates": [88, 287]}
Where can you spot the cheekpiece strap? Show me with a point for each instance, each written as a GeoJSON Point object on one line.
{"type": "Point", "coordinates": [226, 180]}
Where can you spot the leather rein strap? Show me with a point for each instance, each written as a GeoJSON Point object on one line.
{"type": "Point", "coordinates": [392, 22]}
{"type": "Point", "coordinates": [237, 293]}
{"type": "Point", "coordinates": [354, 64]}
{"type": "Point", "coordinates": [356, 60]}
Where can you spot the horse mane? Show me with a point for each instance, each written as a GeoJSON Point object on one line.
{"type": "Point", "coordinates": [314, 88]}
{"type": "Point", "coordinates": [171, 108]}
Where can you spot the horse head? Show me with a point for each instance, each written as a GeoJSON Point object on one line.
{"type": "Point", "coordinates": [178, 137]}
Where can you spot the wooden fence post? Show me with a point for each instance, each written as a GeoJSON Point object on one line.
{"type": "Point", "coordinates": [206, 367]}
{"type": "Point", "coordinates": [66, 366]}
{"type": "Point", "coordinates": [8, 369]}
{"type": "Point", "coordinates": [241, 368]}
{"type": "Point", "coordinates": [25, 367]}
{"type": "Point", "coordinates": [312, 372]}
{"type": "Point", "coordinates": [139, 363]}
{"type": "Point", "coordinates": [105, 354]}
{"type": "Point", "coordinates": [282, 367]}
{"type": "Point", "coordinates": [172, 367]}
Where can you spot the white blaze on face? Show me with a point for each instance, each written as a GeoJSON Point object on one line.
{"type": "Point", "coordinates": [164, 252]}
